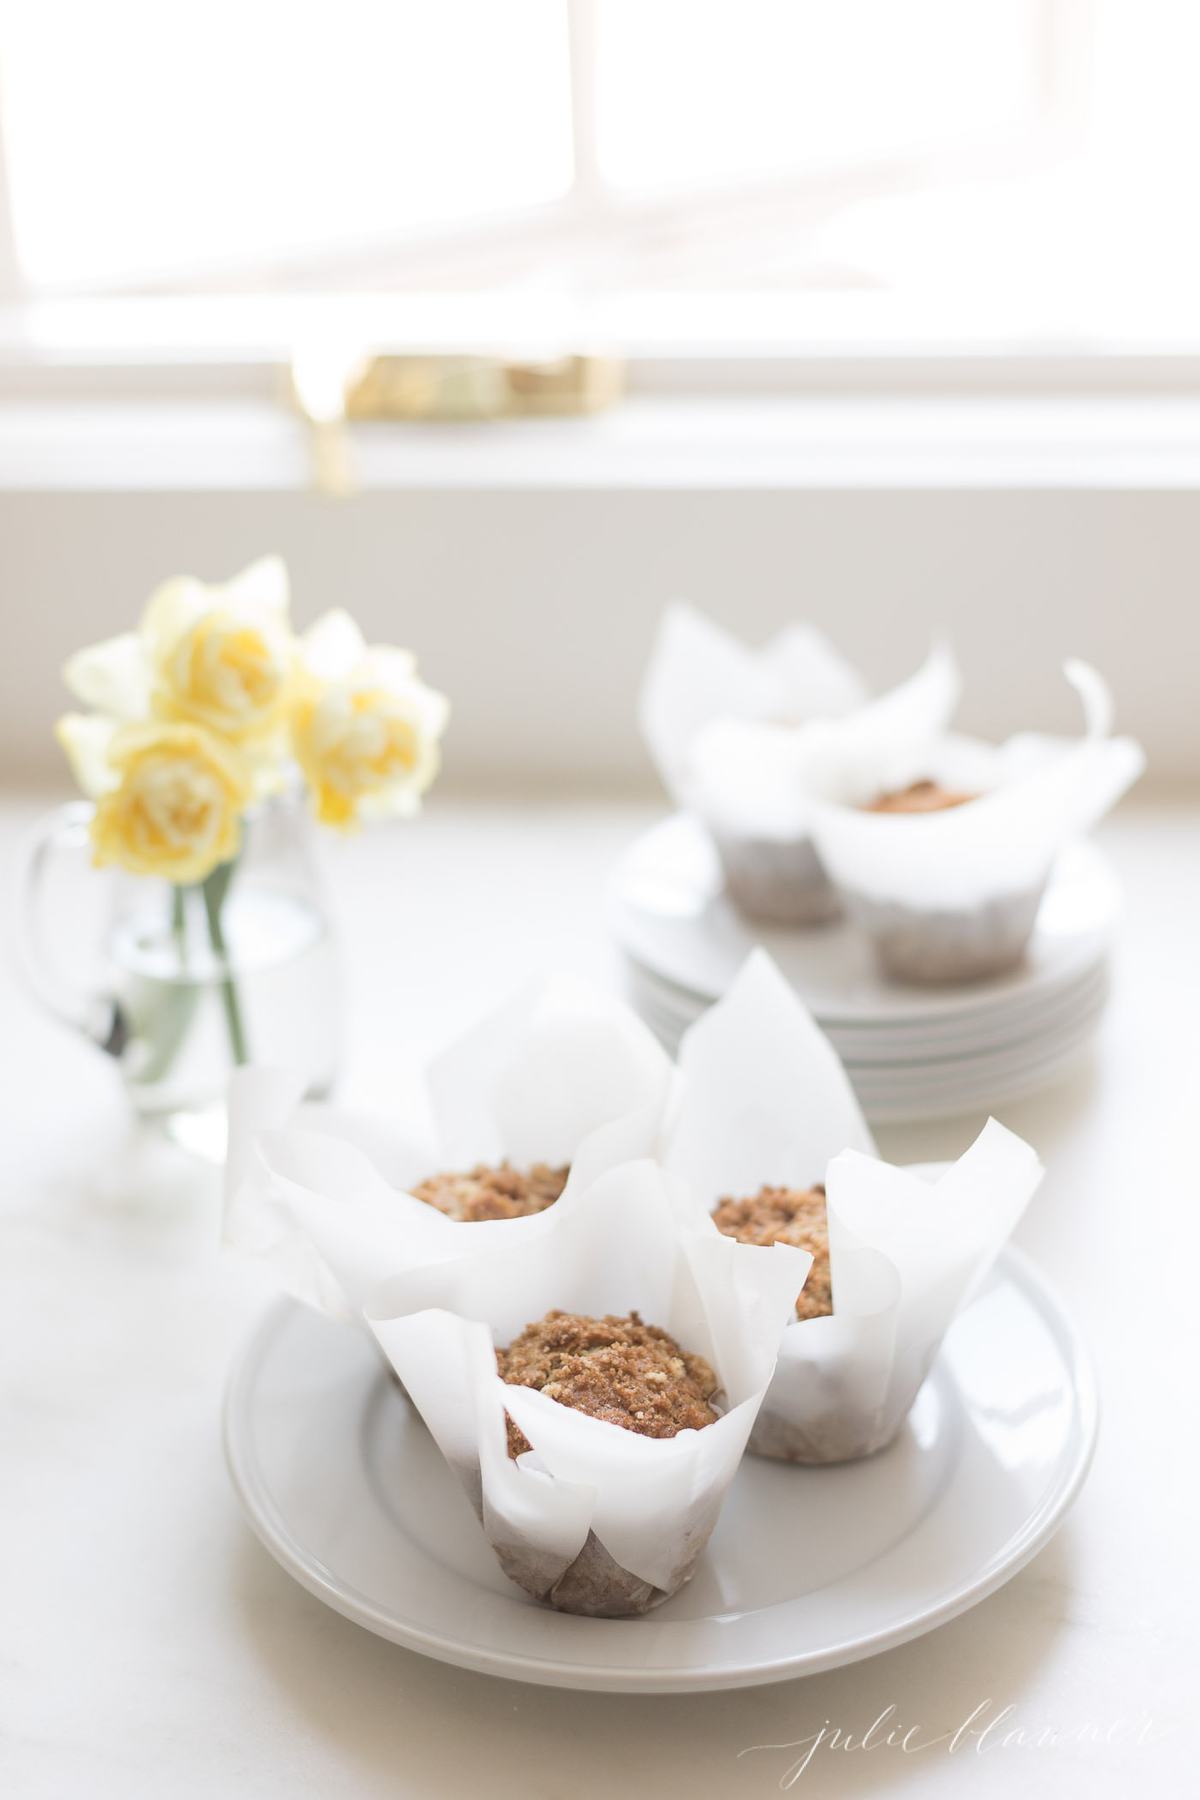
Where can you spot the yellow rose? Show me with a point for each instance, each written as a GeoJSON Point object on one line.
{"type": "Point", "coordinates": [220, 656]}
{"type": "Point", "coordinates": [365, 730]}
{"type": "Point", "coordinates": [169, 797]}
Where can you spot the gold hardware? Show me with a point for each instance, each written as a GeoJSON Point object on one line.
{"type": "Point", "coordinates": [480, 387]}
{"type": "Point", "coordinates": [331, 387]}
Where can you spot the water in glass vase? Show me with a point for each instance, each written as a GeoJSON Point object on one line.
{"type": "Point", "coordinates": [191, 1015]}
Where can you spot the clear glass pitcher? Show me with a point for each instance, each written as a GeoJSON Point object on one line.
{"type": "Point", "coordinates": [179, 985]}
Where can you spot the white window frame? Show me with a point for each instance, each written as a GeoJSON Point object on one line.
{"type": "Point", "coordinates": [431, 258]}
{"type": "Point", "coordinates": [162, 336]}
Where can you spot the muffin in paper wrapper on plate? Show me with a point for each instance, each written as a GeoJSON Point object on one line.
{"type": "Point", "coordinates": [764, 1101]}
{"type": "Point", "coordinates": [562, 1074]}
{"type": "Point", "coordinates": [701, 677]}
{"type": "Point", "coordinates": [745, 739]}
{"type": "Point", "coordinates": [594, 1518]}
{"type": "Point", "coordinates": [953, 895]}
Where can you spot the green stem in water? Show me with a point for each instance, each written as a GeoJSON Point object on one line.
{"type": "Point", "coordinates": [214, 889]}
{"type": "Point", "coordinates": [179, 922]}
{"type": "Point", "coordinates": [162, 1022]}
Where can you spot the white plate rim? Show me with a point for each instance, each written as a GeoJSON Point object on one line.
{"type": "Point", "coordinates": [1024, 1544]}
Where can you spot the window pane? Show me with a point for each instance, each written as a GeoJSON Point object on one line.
{"type": "Point", "coordinates": [1106, 232]}
{"type": "Point", "coordinates": [699, 89]}
{"type": "Point", "coordinates": [145, 136]}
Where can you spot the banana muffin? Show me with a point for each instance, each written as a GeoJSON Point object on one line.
{"type": "Point", "coordinates": [493, 1191]}
{"type": "Point", "coordinates": [617, 1369]}
{"type": "Point", "coordinates": [783, 1215]}
{"type": "Point", "coordinates": [919, 797]}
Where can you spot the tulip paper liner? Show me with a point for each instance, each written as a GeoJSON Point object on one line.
{"type": "Point", "coordinates": [699, 673]}
{"type": "Point", "coordinates": [751, 768]}
{"type": "Point", "coordinates": [561, 1074]}
{"type": "Point", "coordinates": [764, 1100]}
{"type": "Point", "coordinates": [595, 1518]}
{"type": "Point", "coordinates": [954, 895]}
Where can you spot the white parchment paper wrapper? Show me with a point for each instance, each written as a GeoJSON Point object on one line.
{"type": "Point", "coordinates": [562, 1073]}
{"type": "Point", "coordinates": [764, 1100]}
{"type": "Point", "coordinates": [954, 895]}
{"type": "Point", "coordinates": [749, 768]}
{"type": "Point", "coordinates": [595, 1519]}
{"type": "Point", "coordinates": [699, 673]}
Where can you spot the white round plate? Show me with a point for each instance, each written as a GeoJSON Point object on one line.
{"type": "Point", "coordinates": [983, 1066]}
{"type": "Point", "coordinates": [942, 1100]}
{"type": "Point", "coordinates": [960, 1036]}
{"type": "Point", "coordinates": [944, 1091]}
{"type": "Point", "coordinates": [668, 911]}
{"type": "Point", "coordinates": [807, 1569]}
{"type": "Point", "coordinates": [992, 1099]}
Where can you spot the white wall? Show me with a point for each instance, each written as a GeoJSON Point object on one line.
{"type": "Point", "coordinates": [534, 608]}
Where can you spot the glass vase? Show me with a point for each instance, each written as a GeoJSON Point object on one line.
{"type": "Point", "coordinates": [181, 985]}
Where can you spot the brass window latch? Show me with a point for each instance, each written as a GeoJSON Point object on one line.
{"type": "Point", "coordinates": [328, 386]}
{"type": "Point", "coordinates": [481, 387]}
{"type": "Point", "coordinates": [331, 390]}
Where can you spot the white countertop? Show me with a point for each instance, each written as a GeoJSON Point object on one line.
{"type": "Point", "coordinates": [150, 1647]}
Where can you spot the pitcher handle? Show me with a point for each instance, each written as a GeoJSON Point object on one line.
{"type": "Point", "coordinates": [98, 1016]}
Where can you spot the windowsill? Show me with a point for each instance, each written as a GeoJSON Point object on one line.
{"type": "Point", "coordinates": [1149, 441]}
{"type": "Point", "coordinates": [736, 391]}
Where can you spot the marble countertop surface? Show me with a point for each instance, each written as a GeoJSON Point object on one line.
{"type": "Point", "coordinates": [149, 1647]}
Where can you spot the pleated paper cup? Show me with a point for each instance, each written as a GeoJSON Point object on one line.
{"type": "Point", "coordinates": [594, 1518]}
{"type": "Point", "coordinates": [764, 1101]}
{"type": "Point", "coordinates": [563, 1073]}
{"type": "Point", "coordinates": [753, 780]}
{"type": "Point", "coordinates": [954, 895]}
{"type": "Point", "coordinates": [702, 687]}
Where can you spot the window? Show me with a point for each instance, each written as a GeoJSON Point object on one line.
{"type": "Point", "coordinates": [181, 145]}
{"type": "Point", "coordinates": [1025, 165]}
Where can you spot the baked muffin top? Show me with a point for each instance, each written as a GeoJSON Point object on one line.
{"type": "Point", "coordinates": [493, 1192]}
{"type": "Point", "coordinates": [783, 1215]}
{"type": "Point", "coordinates": [919, 797]}
{"type": "Point", "coordinates": [619, 1369]}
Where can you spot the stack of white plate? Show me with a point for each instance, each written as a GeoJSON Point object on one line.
{"type": "Point", "coordinates": [911, 1052]}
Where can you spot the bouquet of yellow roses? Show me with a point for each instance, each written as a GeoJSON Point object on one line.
{"type": "Point", "coordinates": [212, 705]}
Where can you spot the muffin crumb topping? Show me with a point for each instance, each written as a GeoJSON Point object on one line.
{"type": "Point", "coordinates": [493, 1192]}
{"type": "Point", "coordinates": [618, 1369]}
{"type": "Point", "coordinates": [782, 1215]}
{"type": "Point", "coordinates": [919, 797]}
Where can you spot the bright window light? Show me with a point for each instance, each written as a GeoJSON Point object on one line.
{"type": "Point", "coordinates": [693, 90]}
{"type": "Point", "coordinates": [147, 137]}
{"type": "Point", "coordinates": [1029, 163]}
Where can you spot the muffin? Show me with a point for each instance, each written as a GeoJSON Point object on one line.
{"type": "Point", "coordinates": [560, 1076]}
{"type": "Point", "coordinates": [920, 797]}
{"type": "Point", "coordinates": [936, 940]}
{"type": "Point", "coordinates": [493, 1191]}
{"type": "Point", "coordinates": [746, 739]}
{"type": "Point", "coordinates": [490, 1191]}
{"type": "Point", "coordinates": [756, 784]}
{"type": "Point", "coordinates": [628, 1374]}
{"type": "Point", "coordinates": [618, 1369]}
{"type": "Point", "coordinates": [776, 881]}
{"type": "Point", "coordinates": [939, 945]}
{"type": "Point", "coordinates": [895, 1252]}
{"type": "Point", "coordinates": [596, 1448]}
{"type": "Point", "coordinates": [943, 859]}
{"type": "Point", "coordinates": [785, 1215]}
{"type": "Point", "coordinates": [947, 945]}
